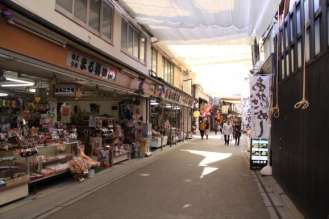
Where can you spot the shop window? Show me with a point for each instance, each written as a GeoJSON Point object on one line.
{"type": "Point", "coordinates": [66, 5]}
{"type": "Point", "coordinates": [154, 63]}
{"type": "Point", "coordinates": [94, 14]}
{"type": "Point", "coordinates": [316, 5]}
{"type": "Point", "coordinates": [299, 23]}
{"type": "Point", "coordinates": [286, 36]}
{"type": "Point", "coordinates": [172, 71]}
{"type": "Point", "coordinates": [168, 71]}
{"type": "Point", "coordinates": [317, 36]}
{"type": "Point", "coordinates": [282, 69]}
{"type": "Point", "coordinates": [299, 53]}
{"type": "Point", "coordinates": [107, 20]}
{"type": "Point", "coordinates": [124, 34]}
{"type": "Point", "coordinates": [307, 45]}
{"type": "Point", "coordinates": [282, 43]}
{"type": "Point", "coordinates": [130, 40]}
{"type": "Point", "coordinates": [80, 10]}
{"type": "Point", "coordinates": [291, 29]}
{"type": "Point", "coordinates": [292, 56]}
{"type": "Point", "coordinates": [306, 11]}
{"type": "Point", "coordinates": [142, 49]}
{"type": "Point", "coordinates": [287, 65]}
{"type": "Point", "coordinates": [133, 42]}
{"type": "Point", "coordinates": [135, 45]}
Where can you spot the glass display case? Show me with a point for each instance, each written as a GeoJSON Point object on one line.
{"type": "Point", "coordinates": [13, 176]}
{"type": "Point", "coordinates": [51, 160]}
{"type": "Point", "coordinates": [120, 153]}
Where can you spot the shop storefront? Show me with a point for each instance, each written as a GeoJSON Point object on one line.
{"type": "Point", "coordinates": [64, 109]}
{"type": "Point", "coordinates": [170, 116]}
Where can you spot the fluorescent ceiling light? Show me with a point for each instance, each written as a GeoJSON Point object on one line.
{"type": "Point", "coordinates": [18, 85]}
{"type": "Point", "coordinates": [17, 80]}
{"type": "Point", "coordinates": [3, 94]}
{"type": "Point", "coordinates": [32, 90]}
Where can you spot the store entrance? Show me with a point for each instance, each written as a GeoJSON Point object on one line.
{"type": "Point", "coordinates": [53, 126]}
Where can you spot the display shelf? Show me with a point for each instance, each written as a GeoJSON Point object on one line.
{"type": "Point", "coordinates": [120, 158]}
{"type": "Point", "coordinates": [14, 193]}
{"type": "Point", "coordinates": [120, 153]}
{"type": "Point", "coordinates": [56, 173]}
{"type": "Point", "coordinates": [54, 162]}
{"type": "Point", "coordinates": [9, 158]}
{"type": "Point", "coordinates": [57, 159]}
{"type": "Point", "coordinates": [15, 182]}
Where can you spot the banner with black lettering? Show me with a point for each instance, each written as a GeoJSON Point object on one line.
{"type": "Point", "coordinates": [260, 99]}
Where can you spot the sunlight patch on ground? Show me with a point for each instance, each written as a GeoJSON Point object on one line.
{"type": "Point", "coordinates": [209, 158]}
{"type": "Point", "coordinates": [219, 136]}
{"type": "Point", "coordinates": [187, 205]}
{"type": "Point", "coordinates": [207, 170]}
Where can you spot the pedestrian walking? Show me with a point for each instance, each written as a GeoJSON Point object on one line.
{"type": "Point", "coordinates": [202, 127]}
{"type": "Point", "coordinates": [206, 131]}
{"type": "Point", "coordinates": [216, 128]}
{"type": "Point", "coordinates": [237, 133]}
{"type": "Point", "coordinates": [227, 131]}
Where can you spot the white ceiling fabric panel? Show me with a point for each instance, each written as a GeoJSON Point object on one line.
{"type": "Point", "coordinates": [200, 19]}
{"type": "Point", "coordinates": [195, 31]}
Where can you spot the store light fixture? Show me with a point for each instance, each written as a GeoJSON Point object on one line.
{"type": "Point", "coordinates": [18, 83]}
{"type": "Point", "coordinates": [154, 103]}
{"type": "Point", "coordinates": [32, 90]}
{"type": "Point", "coordinates": [3, 94]}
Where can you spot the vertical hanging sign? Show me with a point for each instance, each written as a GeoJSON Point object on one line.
{"type": "Point", "coordinates": [260, 106]}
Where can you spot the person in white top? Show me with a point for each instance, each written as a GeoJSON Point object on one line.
{"type": "Point", "coordinates": [227, 131]}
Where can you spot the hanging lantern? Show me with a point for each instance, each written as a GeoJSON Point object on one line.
{"type": "Point", "coordinates": [196, 114]}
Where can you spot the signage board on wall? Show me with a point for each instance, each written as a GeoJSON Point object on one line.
{"type": "Point", "coordinates": [67, 90]}
{"type": "Point", "coordinates": [80, 62]}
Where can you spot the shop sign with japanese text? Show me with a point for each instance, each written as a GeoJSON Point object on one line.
{"type": "Point", "coordinates": [260, 106]}
{"type": "Point", "coordinates": [85, 64]}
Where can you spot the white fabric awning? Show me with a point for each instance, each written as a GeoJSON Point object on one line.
{"type": "Point", "coordinates": [208, 35]}
{"type": "Point", "coordinates": [175, 20]}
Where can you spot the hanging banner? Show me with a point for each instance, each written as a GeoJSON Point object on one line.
{"type": "Point", "coordinates": [260, 106]}
{"type": "Point", "coordinates": [245, 114]}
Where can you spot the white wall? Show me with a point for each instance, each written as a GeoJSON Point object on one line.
{"type": "Point", "coordinates": [46, 10]}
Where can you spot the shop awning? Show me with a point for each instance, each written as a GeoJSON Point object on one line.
{"type": "Point", "coordinates": [183, 20]}
{"type": "Point", "coordinates": [210, 36]}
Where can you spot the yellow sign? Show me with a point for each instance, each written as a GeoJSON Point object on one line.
{"type": "Point", "coordinates": [196, 114]}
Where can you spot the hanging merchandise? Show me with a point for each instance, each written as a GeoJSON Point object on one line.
{"type": "Point", "coordinates": [66, 113]}
{"type": "Point", "coordinates": [246, 111]}
{"type": "Point", "coordinates": [205, 110]}
{"type": "Point", "coordinates": [260, 106]}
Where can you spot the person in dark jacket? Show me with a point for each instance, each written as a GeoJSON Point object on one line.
{"type": "Point", "coordinates": [237, 133]}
